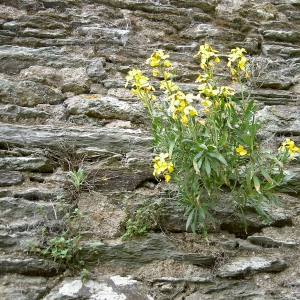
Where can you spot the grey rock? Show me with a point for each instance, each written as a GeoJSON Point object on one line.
{"type": "Point", "coordinates": [250, 266]}
{"type": "Point", "coordinates": [112, 139]}
{"type": "Point", "coordinates": [30, 266]}
{"type": "Point", "coordinates": [281, 35]}
{"type": "Point", "coordinates": [35, 194]}
{"type": "Point", "coordinates": [186, 279]}
{"type": "Point", "coordinates": [43, 33]}
{"type": "Point", "coordinates": [19, 113]}
{"type": "Point", "coordinates": [274, 97]}
{"type": "Point", "coordinates": [65, 79]}
{"type": "Point", "coordinates": [226, 218]}
{"type": "Point", "coordinates": [282, 119]}
{"type": "Point", "coordinates": [26, 164]}
{"type": "Point", "coordinates": [96, 71]}
{"type": "Point", "coordinates": [141, 251]}
{"type": "Point", "coordinates": [10, 178]}
{"type": "Point", "coordinates": [16, 58]}
{"type": "Point", "coordinates": [13, 209]}
{"type": "Point", "coordinates": [280, 50]}
{"type": "Point", "coordinates": [15, 286]}
{"type": "Point", "coordinates": [28, 93]}
{"type": "Point", "coordinates": [268, 242]}
{"type": "Point", "coordinates": [95, 106]}
{"type": "Point", "coordinates": [125, 179]}
{"type": "Point", "coordinates": [114, 288]}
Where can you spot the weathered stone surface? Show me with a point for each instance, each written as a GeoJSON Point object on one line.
{"type": "Point", "coordinates": [280, 119]}
{"type": "Point", "coordinates": [122, 179]}
{"type": "Point", "coordinates": [113, 140]}
{"type": "Point", "coordinates": [13, 209]}
{"type": "Point", "coordinates": [96, 71]}
{"type": "Point", "coordinates": [17, 58]}
{"type": "Point", "coordinates": [26, 164]}
{"type": "Point", "coordinates": [18, 113]}
{"type": "Point", "coordinates": [30, 266]}
{"type": "Point", "coordinates": [95, 106]}
{"type": "Point", "coordinates": [268, 242]}
{"type": "Point", "coordinates": [250, 266]}
{"type": "Point", "coordinates": [27, 93]}
{"type": "Point", "coordinates": [11, 178]}
{"type": "Point", "coordinates": [280, 35]}
{"type": "Point", "coordinates": [114, 288]}
{"type": "Point", "coordinates": [34, 194]}
{"type": "Point", "coordinates": [142, 251]}
{"type": "Point", "coordinates": [73, 80]}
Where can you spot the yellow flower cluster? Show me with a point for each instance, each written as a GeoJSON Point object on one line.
{"type": "Point", "coordinates": [180, 106]}
{"type": "Point", "coordinates": [163, 167]}
{"type": "Point", "coordinates": [179, 102]}
{"type": "Point", "coordinates": [291, 147]}
{"type": "Point", "coordinates": [240, 149]}
{"type": "Point", "coordinates": [236, 59]}
{"type": "Point", "coordinates": [208, 92]}
{"type": "Point", "coordinates": [206, 52]}
{"type": "Point", "coordinates": [140, 85]}
{"type": "Point", "coordinates": [159, 59]}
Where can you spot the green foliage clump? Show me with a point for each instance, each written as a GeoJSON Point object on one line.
{"type": "Point", "coordinates": [207, 143]}
{"type": "Point", "coordinates": [143, 220]}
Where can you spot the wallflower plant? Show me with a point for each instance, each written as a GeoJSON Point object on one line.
{"type": "Point", "coordinates": [208, 142]}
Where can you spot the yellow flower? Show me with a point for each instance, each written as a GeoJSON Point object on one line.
{"type": "Point", "coordinates": [155, 72]}
{"type": "Point", "coordinates": [184, 119]}
{"type": "Point", "coordinates": [190, 110]}
{"type": "Point", "coordinates": [236, 54]}
{"type": "Point", "coordinates": [203, 77]}
{"type": "Point", "coordinates": [156, 58]}
{"type": "Point", "coordinates": [291, 148]}
{"type": "Point", "coordinates": [167, 177]}
{"type": "Point", "coordinates": [161, 166]}
{"type": "Point", "coordinates": [207, 103]}
{"type": "Point", "coordinates": [205, 53]}
{"type": "Point", "coordinates": [242, 62]}
{"type": "Point", "coordinates": [240, 149]}
{"type": "Point", "coordinates": [232, 71]}
{"type": "Point", "coordinates": [236, 59]}
{"type": "Point", "coordinates": [167, 63]}
{"type": "Point", "coordinates": [167, 75]}
{"type": "Point", "coordinates": [226, 91]}
{"type": "Point", "coordinates": [168, 86]}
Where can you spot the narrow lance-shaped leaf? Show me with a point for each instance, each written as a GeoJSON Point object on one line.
{"type": "Point", "coordinates": [256, 183]}
{"type": "Point", "coordinates": [266, 175]}
{"type": "Point", "coordinates": [207, 167]}
{"type": "Point", "coordinates": [219, 157]}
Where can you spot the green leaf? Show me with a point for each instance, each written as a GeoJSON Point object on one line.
{"type": "Point", "coordinates": [262, 214]}
{"type": "Point", "coordinates": [248, 180]}
{"type": "Point", "coordinates": [256, 183]}
{"type": "Point", "coordinates": [190, 218]}
{"type": "Point", "coordinates": [250, 106]}
{"type": "Point", "coordinates": [207, 167]}
{"type": "Point", "coordinates": [210, 216]}
{"type": "Point", "coordinates": [171, 147]}
{"type": "Point", "coordinates": [202, 146]}
{"type": "Point", "coordinates": [219, 157]}
{"type": "Point", "coordinates": [244, 219]}
{"type": "Point", "coordinates": [266, 175]}
{"type": "Point", "coordinates": [195, 163]}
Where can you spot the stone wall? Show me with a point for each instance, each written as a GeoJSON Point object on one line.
{"type": "Point", "coordinates": [64, 105]}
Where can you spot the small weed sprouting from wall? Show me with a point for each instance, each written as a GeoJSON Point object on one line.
{"type": "Point", "coordinates": [62, 245]}
{"type": "Point", "coordinates": [143, 220]}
